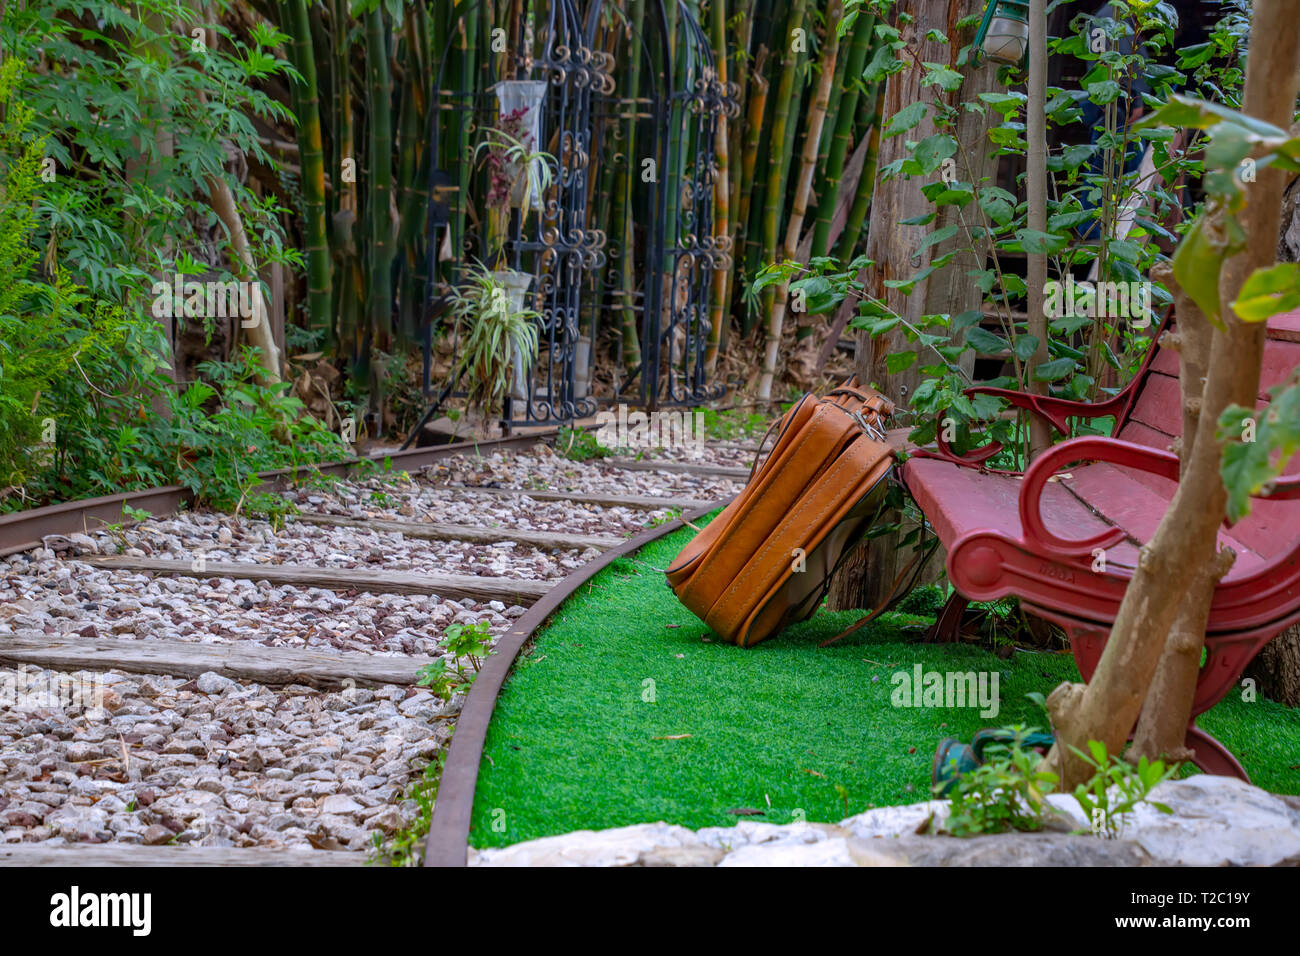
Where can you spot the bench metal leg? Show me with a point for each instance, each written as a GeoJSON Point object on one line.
{"type": "Point", "coordinates": [1211, 756]}
{"type": "Point", "coordinates": [947, 629]}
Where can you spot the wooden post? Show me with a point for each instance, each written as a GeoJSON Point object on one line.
{"type": "Point", "coordinates": [865, 578]}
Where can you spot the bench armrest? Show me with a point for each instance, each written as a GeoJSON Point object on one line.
{"type": "Point", "coordinates": [1282, 489]}
{"type": "Point", "coordinates": [1111, 450]}
{"type": "Point", "coordinates": [1056, 410]}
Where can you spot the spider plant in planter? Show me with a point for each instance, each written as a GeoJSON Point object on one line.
{"type": "Point", "coordinates": [499, 340]}
{"type": "Point", "coordinates": [519, 175]}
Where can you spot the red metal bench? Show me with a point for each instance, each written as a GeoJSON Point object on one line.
{"type": "Point", "coordinates": [1034, 536]}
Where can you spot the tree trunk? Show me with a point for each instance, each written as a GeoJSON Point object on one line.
{"type": "Point", "coordinates": [1159, 734]}
{"type": "Point", "coordinates": [1276, 670]}
{"type": "Point", "coordinates": [222, 201]}
{"type": "Point", "coordinates": [866, 577]}
{"type": "Point", "coordinates": [1183, 545]}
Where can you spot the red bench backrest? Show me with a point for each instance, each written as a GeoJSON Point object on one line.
{"type": "Point", "coordinates": [1155, 419]}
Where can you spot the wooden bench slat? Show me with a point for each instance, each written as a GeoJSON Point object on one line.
{"type": "Point", "coordinates": [1280, 359]}
{"type": "Point", "coordinates": [960, 500]}
{"type": "Point", "coordinates": [1160, 405]}
{"type": "Point", "coordinates": [1285, 327]}
{"type": "Point", "coordinates": [1140, 434]}
{"type": "Point", "coordinates": [1137, 507]}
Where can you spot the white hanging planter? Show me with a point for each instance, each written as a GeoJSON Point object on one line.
{"type": "Point", "coordinates": [516, 285]}
{"type": "Point", "coordinates": [526, 95]}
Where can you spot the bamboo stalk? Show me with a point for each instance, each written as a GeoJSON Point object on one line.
{"type": "Point", "coordinates": [833, 107]}
{"type": "Point", "coordinates": [848, 243]}
{"type": "Point", "coordinates": [348, 282]}
{"type": "Point", "coordinates": [379, 195]}
{"type": "Point", "coordinates": [755, 112]}
{"type": "Point", "coordinates": [781, 144]}
{"type": "Point", "coordinates": [312, 157]}
{"type": "Point", "coordinates": [803, 187]}
{"type": "Point", "coordinates": [845, 115]}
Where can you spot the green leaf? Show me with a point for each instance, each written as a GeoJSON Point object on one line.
{"type": "Point", "coordinates": [943, 194]}
{"type": "Point", "coordinates": [1075, 156]}
{"type": "Point", "coordinates": [965, 320]}
{"type": "Point", "coordinates": [946, 78]}
{"type": "Point", "coordinates": [1268, 292]}
{"type": "Point", "coordinates": [924, 220]}
{"type": "Point", "coordinates": [896, 362]}
{"type": "Point", "coordinates": [1055, 370]}
{"type": "Point", "coordinates": [1197, 262]}
{"type": "Point", "coordinates": [884, 62]}
{"type": "Point", "coordinates": [1103, 92]}
{"type": "Point", "coordinates": [1068, 220]}
{"type": "Point", "coordinates": [905, 119]}
{"type": "Point", "coordinates": [1004, 103]}
{"type": "Point", "coordinates": [997, 209]}
{"type": "Point", "coordinates": [939, 235]}
{"type": "Point", "coordinates": [1033, 241]}
{"type": "Point", "coordinates": [984, 341]}
{"type": "Point", "coordinates": [1025, 346]}
{"type": "Point", "coordinates": [1188, 111]}
{"type": "Point", "coordinates": [933, 150]}
{"type": "Point", "coordinates": [1248, 466]}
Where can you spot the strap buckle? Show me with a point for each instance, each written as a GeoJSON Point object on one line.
{"type": "Point", "coordinates": [869, 427]}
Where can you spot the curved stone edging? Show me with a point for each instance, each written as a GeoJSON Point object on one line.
{"type": "Point", "coordinates": [448, 841]}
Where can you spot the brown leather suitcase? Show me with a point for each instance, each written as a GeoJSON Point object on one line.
{"type": "Point", "coordinates": [766, 560]}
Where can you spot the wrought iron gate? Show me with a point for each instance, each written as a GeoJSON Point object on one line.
{"type": "Point", "coordinates": [674, 251]}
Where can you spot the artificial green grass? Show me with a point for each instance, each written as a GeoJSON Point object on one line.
{"type": "Point", "coordinates": [588, 731]}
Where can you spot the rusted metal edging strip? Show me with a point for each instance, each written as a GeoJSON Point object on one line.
{"type": "Point", "coordinates": [23, 530]}
{"type": "Point", "coordinates": [448, 840]}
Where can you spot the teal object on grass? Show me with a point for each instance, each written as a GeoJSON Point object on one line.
{"type": "Point", "coordinates": [954, 758]}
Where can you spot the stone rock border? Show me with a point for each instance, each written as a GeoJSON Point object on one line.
{"type": "Point", "coordinates": [1216, 821]}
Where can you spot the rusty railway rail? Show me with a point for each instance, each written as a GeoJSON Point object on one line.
{"type": "Point", "coordinates": [23, 530]}
{"type": "Point", "coordinates": [447, 842]}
